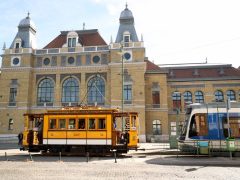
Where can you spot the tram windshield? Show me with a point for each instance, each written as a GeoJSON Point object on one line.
{"type": "Point", "coordinates": [198, 125]}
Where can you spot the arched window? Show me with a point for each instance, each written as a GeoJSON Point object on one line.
{"type": "Point", "coordinates": [70, 90]}
{"type": "Point", "coordinates": [199, 97]}
{"type": "Point", "coordinates": [231, 95]}
{"type": "Point", "coordinates": [239, 95]}
{"type": "Point", "coordinates": [45, 91]}
{"type": "Point", "coordinates": [157, 127]}
{"type": "Point", "coordinates": [187, 97]}
{"type": "Point", "coordinates": [219, 96]}
{"type": "Point", "coordinates": [176, 98]}
{"type": "Point", "coordinates": [96, 90]}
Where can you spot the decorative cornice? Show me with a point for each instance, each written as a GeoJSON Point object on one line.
{"type": "Point", "coordinates": [127, 63]}
{"type": "Point", "coordinates": [203, 79]}
{"type": "Point", "coordinates": [68, 68]}
{"type": "Point", "coordinates": [16, 69]}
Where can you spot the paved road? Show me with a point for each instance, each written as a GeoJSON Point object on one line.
{"type": "Point", "coordinates": [136, 165]}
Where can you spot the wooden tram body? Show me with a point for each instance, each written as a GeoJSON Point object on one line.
{"type": "Point", "coordinates": [89, 129]}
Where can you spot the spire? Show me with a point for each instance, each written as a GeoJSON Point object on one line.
{"type": "Point", "coordinates": [111, 40]}
{"type": "Point", "coordinates": [84, 26]}
{"type": "Point", "coordinates": [4, 46]}
{"type": "Point", "coordinates": [28, 15]}
{"type": "Point", "coordinates": [142, 37]}
{"type": "Point", "coordinates": [126, 5]}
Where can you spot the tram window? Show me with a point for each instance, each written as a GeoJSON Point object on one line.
{"type": "Point", "coordinates": [52, 124]}
{"type": "Point", "coordinates": [234, 123]}
{"type": "Point", "coordinates": [91, 123]}
{"type": "Point", "coordinates": [101, 123]}
{"type": "Point", "coordinates": [81, 124]}
{"type": "Point", "coordinates": [72, 124]}
{"type": "Point", "coordinates": [198, 125]}
{"type": "Point", "coordinates": [133, 119]}
{"type": "Point", "coordinates": [127, 124]}
{"type": "Point", "coordinates": [62, 123]}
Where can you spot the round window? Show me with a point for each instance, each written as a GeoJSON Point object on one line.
{"type": "Point", "coordinates": [70, 60]}
{"type": "Point", "coordinates": [127, 56]}
{"type": "Point", "coordinates": [15, 61]}
{"type": "Point", "coordinates": [96, 59]}
{"type": "Point", "coordinates": [46, 61]}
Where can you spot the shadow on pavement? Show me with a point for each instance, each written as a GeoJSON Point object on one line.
{"type": "Point", "coordinates": [20, 156]}
{"type": "Point", "coordinates": [194, 161]}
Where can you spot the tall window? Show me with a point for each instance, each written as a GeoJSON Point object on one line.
{"type": "Point", "coordinates": [157, 129]}
{"type": "Point", "coordinates": [127, 95]}
{"type": "Point", "coordinates": [45, 91]}
{"type": "Point", "coordinates": [70, 90]}
{"type": "Point", "coordinates": [72, 42]}
{"type": "Point", "coordinates": [176, 98]}
{"type": "Point", "coordinates": [187, 97]}
{"type": "Point", "coordinates": [126, 38]}
{"type": "Point", "coordinates": [231, 95]}
{"type": "Point", "coordinates": [12, 96]}
{"type": "Point", "coordinates": [17, 45]}
{"type": "Point", "coordinates": [219, 96]}
{"type": "Point", "coordinates": [199, 97]}
{"type": "Point", "coordinates": [156, 99]}
{"type": "Point", "coordinates": [96, 90]}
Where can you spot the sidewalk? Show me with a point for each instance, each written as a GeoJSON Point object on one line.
{"type": "Point", "coordinates": [154, 153]}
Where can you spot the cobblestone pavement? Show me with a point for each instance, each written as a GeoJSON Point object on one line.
{"type": "Point", "coordinates": [135, 165]}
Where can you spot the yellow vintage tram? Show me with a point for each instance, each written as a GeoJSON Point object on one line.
{"type": "Point", "coordinates": [81, 129]}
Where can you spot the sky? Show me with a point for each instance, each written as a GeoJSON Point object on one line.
{"type": "Point", "coordinates": [174, 31]}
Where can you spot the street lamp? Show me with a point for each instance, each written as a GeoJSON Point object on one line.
{"type": "Point", "coordinates": [228, 124]}
{"type": "Point", "coordinates": [122, 58]}
{"type": "Point", "coordinates": [177, 95]}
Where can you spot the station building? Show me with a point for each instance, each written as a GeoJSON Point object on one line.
{"type": "Point", "coordinates": [79, 68]}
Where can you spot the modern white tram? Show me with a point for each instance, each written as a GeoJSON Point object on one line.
{"type": "Point", "coordinates": [212, 123]}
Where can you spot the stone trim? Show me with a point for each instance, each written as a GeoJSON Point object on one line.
{"type": "Point", "coordinates": [77, 75]}
{"type": "Point", "coordinates": [227, 85]}
{"type": "Point", "coordinates": [88, 75]}
{"type": "Point", "coordinates": [40, 76]}
{"type": "Point", "coordinates": [188, 86]}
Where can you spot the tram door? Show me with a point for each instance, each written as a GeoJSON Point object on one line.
{"type": "Point", "coordinates": [32, 134]}
{"type": "Point", "coordinates": [133, 134]}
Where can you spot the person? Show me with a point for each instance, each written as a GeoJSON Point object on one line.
{"type": "Point", "coordinates": [82, 125]}
{"type": "Point", "coordinates": [91, 123]}
{"type": "Point", "coordinates": [20, 138]}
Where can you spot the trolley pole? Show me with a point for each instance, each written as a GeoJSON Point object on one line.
{"type": "Point", "coordinates": [122, 83]}
{"type": "Point", "coordinates": [229, 134]}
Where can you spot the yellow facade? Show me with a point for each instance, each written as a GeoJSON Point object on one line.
{"type": "Point", "coordinates": [142, 76]}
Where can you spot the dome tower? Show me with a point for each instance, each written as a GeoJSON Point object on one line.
{"type": "Point", "coordinates": [126, 31]}
{"type": "Point", "coordinates": [26, 36]}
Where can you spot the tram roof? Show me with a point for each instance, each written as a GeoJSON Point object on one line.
{"type": "Point", "coordinates": [214, 105]}
{"type": "Point", "coordinates": [83, 111]}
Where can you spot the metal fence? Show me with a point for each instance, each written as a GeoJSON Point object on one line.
{"type": "Point", "coordinates": [210, 147]}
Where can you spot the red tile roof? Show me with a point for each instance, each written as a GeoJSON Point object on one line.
{"type": "Point", "coordinates": [206, 72]}
{"type": "Point", "coordinates": [151, 66]}
{"type": "Point", "coordinates": [86, 38]}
